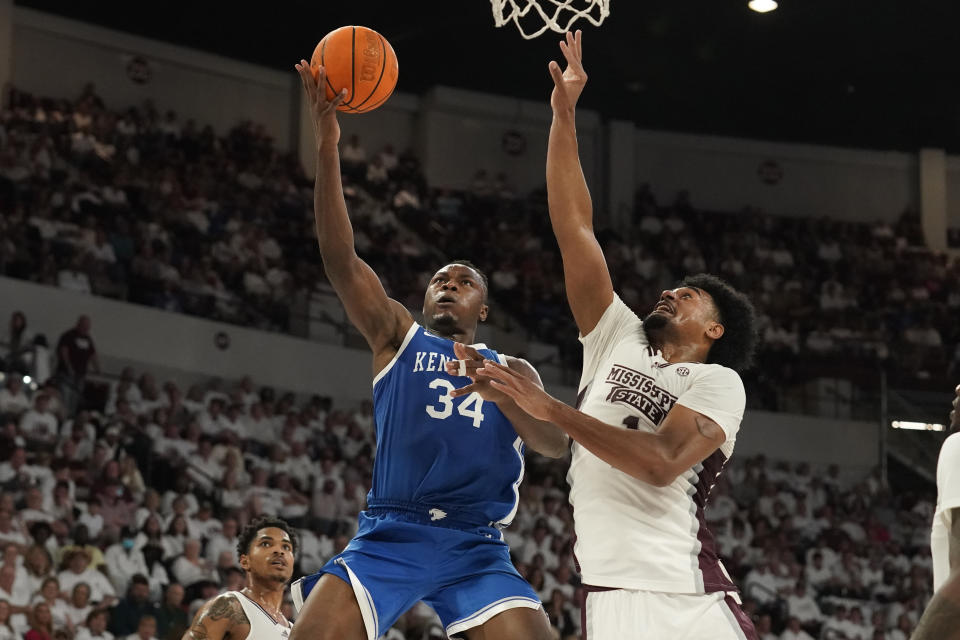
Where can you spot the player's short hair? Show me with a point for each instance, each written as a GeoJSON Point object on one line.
{"type": "Point", "coordinates": [249, 532]}
{"type": "Point", "coordinates": [483, 276]}
{"type": "Point", "coordinates": [736, 347]}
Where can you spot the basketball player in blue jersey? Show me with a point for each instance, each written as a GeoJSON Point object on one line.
{"type": "Point", "coordinates": [448, 469]}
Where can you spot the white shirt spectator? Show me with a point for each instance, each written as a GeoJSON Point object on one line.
{"type": "Point", "coordinates": [39, 425]}
{"type": "Point", "coordinates": [93, 522]}
{"type": "Point", "coordinates": [100, 586]}
{"type": "Point", "coordinates": [804, 608]}
{"type": "Point", "coordinates": [187, 573]}
{"type": "Point", "coordinates": [123, 565]}
{"type": "Point", "coordinates": [15, 402]}
{"type": "Point", "coordinates": [73, 280]}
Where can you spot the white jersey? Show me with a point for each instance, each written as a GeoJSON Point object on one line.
{"type": "Point", "coordinates": [631, 534]}
{"type": "Point", "coordinates": [262, 624]}
{"type": "Point", "coordinates": [948, 497]}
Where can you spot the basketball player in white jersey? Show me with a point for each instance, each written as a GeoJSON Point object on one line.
{"type": "Point", "coordinates": [267, 550]}
{"type": "Point", "coordinates": [660, 406]}
{"type": "Point", "coordinates": [941, 620]}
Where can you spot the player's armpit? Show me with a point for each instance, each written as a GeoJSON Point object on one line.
{"type": "Point", "coordinates": [685, 439]}
{"type": "Point", "coordinates": [216, 619]}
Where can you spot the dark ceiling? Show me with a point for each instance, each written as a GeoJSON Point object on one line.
{"type": "Point", "coordinates": [868, 73]}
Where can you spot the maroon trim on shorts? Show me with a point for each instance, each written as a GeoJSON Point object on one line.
{"type": "Point", "coordinates": [746, 624]}
{"type": "Point", "coordinates": [714, 578]}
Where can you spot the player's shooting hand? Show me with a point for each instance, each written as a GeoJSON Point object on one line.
{"type": "Point", "coordinates": [472, 361]}
{"type": "Point", "coordinates": [568, 84]}
{"type": "Point", "coordinates": [955, 414]}
{"type": "Point", "coordinates": [325, 125]}
{"type": "Point", "coordinates": [523, 391]}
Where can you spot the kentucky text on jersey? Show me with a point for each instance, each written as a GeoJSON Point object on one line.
{"type": "Point", "coordinates": [430, 361]}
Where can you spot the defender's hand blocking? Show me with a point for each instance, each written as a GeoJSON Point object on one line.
{"type": "Point", "coordinates": [326, 129]}
{"type": "Point", "coordinates": [568, 84]}
{"type": "Point", "coordinates": [469, 363]}
{"type": "Point", "coordinates": [523, 391]}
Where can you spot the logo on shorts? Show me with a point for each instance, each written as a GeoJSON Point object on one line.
{"type": "Point", "coordinates": [683, 372]}
{"type": "Point", "coordinates": [437, 514]}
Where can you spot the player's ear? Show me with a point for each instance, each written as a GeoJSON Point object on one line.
{"type": "Point", "coordinates": [715, 331]}
{"type": "Point", "coordinates": [484, 310]}
{"type": "Point", "coordinates": [245, 562]}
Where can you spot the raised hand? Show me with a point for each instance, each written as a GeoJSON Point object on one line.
{"type": "Point", "coordinates": [326, 129]}
{"type": "Point", "coordinates": [568, 84]}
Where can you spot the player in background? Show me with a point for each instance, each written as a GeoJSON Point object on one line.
{"type": "Point", "coordinates": [660, 405]}
{"type": "Point", "coordinates": [941, 620]}
{"type": "Point", "coordinates": [447, 473]}
{"type": "Point", "coordinates": [267, 550]}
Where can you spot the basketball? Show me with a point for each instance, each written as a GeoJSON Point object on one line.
{"type": "Point", "coordinates": [361, 61]}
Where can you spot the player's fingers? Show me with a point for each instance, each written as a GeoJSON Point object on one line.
{"type": "Point", "coordinates": [466, 352]}
{"type": "Point", "coordinates": [467, 390]}
{"type": "Point", "coordinates": [496, 371]}
{"type": "Point", "coordinates": [958, 390]}
{"type": "Point", "coordinates": [463, 367]}
{"type": "Point", "coordinates": [571, 57]}
{"type": "Point", "coordinates": [556, 74]}
{"type": "Point", "coordinates": [337, 100]}
{"type": "Point", "coordinates": [578, 38]}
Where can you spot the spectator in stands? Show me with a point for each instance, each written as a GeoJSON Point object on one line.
{"type": "Point", "coordinates": [39, 425]}
{"type": "Point", "coordinates": [146, 629]}
{"type": "Point", "coordinates": [76, 354]}
{"type": "Point", "coordinates": [191, 568]}
{"type": "Point", "coordinates": [96, 627]}
{"type": "Point", "coordinates": [126, 615]}
{"type": "Point", "coordinates": [7, 631]}
{"type": "Point", "coordinates": [38, 567]}
{"type": "Point", "coordinates": [172, 620]}
{"type": "Point", "coordinates": [41, 623]}
{"type": "Point", "coordinates": [124, 560]}
{"type": "Point", "coordinates": [80, 569]}
{"type": "Point", "coordinates": [49, 594]}
{"type": "Point", "coordinates": [13, 397]}
{"type": "Point", "coordinates": [79, 605]}
{"type": "Point", "coordinates": [794, 631]}
{"type": "Point", "coordinates": [19, 345]}
{"type": "Point", "coordinates": [14, 592]}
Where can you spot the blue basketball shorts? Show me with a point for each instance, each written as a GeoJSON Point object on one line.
{"type": "Point", "coordinates": [396, 560]}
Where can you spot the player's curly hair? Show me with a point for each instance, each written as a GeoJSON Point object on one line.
{"type": "Point", "coordinates": [736, 347]}
{"type": "Point", "coordinates": [249, 532]}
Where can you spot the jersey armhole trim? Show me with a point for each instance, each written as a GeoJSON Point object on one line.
{"type": "Point", "coordinates": [412, 331]}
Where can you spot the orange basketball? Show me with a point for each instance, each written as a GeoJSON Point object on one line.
{"type": "Point", "coordinates": [361, 61]}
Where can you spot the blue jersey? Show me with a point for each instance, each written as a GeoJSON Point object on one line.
{"type": "Point", "coordinates": [456, 458]}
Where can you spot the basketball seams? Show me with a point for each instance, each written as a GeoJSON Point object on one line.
{"type": "Point", "coordinates": [353, 67]}
{"type": "Point", "coordinates": [323, 51]}
{"type": "Point", "coordinates": [383, 68]}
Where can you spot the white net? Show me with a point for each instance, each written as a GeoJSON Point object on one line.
{"type": "Point", "coordinates": [533, 17]}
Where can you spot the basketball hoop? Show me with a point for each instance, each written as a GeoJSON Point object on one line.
{"type": "Point", "coordinates": [533, 17]}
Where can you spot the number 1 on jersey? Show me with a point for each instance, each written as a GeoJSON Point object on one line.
{"type": "Point", "coordinates": [471, 407]}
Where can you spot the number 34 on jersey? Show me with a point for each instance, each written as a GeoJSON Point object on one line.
{"type": "Point", "coordinates": [470, 407]}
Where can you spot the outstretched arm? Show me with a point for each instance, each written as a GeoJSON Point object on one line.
{"type": "Point", "coordinates": [217, 620]}
{"type": "Point", "coordinates": [587, 279]}
{"type": "Point", "coordinates": [382, 321]}
{"type": "Point", "coordinates": [685, 438]}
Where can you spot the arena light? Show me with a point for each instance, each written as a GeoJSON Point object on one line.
{"type": "Point", "coordinates": [27, 379]}
{"type": "Point", "coordinates": [763, 6]}
{"type": "Point", "coordinates": [917, 426]}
